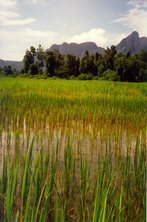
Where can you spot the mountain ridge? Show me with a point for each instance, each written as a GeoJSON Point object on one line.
{"type": "Point", "coordinates": [132, 42]}
{"type": "Point", "coordinates": [18, 65]}
{"type": "Point", "coordinates": [77, 49]}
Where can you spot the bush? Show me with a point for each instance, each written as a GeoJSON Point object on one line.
{"type": "Point", "coordinates": [54, 77]}
{"type": "Point", "coordinates": [110, 75]}
{"type": "Point", "coordinates": [33, 70]}
{"type": "Point", "coordinates": [83, 76]}
{"type": "Point", "coordinates": [72, 77]}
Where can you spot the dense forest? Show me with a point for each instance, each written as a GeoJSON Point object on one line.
{"type": "Point", "coordinates": [113, 66]}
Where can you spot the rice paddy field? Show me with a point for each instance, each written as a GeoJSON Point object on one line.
{"type": "Point", "coordinates": [72, 151]}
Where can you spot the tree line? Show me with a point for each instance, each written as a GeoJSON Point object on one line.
{"type": "Point", "coordinates": [110, 66]}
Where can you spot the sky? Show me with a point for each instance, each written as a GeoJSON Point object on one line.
{"type": "Point", "coordinates": [24, 23]}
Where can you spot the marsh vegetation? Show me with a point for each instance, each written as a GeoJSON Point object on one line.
{"type": "Point", "coordinates": [72, 150]}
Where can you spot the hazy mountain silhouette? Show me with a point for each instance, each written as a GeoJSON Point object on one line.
{"type": "Point", "coordinates": [18, 65]}
{"type": "Point", "coordinates": [132, 42]}
{"type": "Point", "coordinates": [77, 49]}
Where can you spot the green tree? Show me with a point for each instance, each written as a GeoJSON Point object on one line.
{"type": "Point", "coordinates": [88, 64]}
{"type": "Point", "coordinates": [84, 63]}
{"type": "Point", "coordinates": [33, 53]}
{"type": "Point", "coordinates": [71, 65]}
{"type": "Point", "coordinates": [8, 70]}
{"type": "Point", "coordinates": [50, 60]}
{"type": "Point", "coordinates": [109, 57]}
{"type": "Point", "coordinates": [142, 56]}
{"type": "Point", "coordinates": [33, 69]}
{"type": "Point", "coordinates": [40, 55]}
{"type": "Point", "coordinates": [121, 65]}
{"type": "Point", "coordinates": [129, 69]}
{"type": "Point", "coordinates": [60, 64]}
{"type": "Point", "coordinates": [1, 71]}
{"type": "Point", "coordinates": [28, 60]}
{"type": "Point", "coordinates": [110, 75]}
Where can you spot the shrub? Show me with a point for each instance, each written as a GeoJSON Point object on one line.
{"type": "Point", "coordinates": [33, 70]}
{"type": "Point", "coordinates": [72, 77]}
{"type": "Point", "coordinates": [110, 75]}
{"type": "Point", "coordinates": [83, 76]}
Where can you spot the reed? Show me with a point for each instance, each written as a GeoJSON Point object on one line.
{"type": "Point", "coordinates": [98, 196]}
{"type": "Point", "coordinates": [72, 151]}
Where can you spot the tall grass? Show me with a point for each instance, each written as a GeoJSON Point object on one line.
{"type": "Point", "coordinates": [67, 191]}
{"type": "Point", "coordinates": [87, 159]}
{"type": "Point", "coordinates": [39, 102]}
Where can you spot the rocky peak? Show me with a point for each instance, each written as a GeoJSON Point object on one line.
{"type": "Point", "coordinates": [133, 43]}
{"type": "Point", "coordinates": [78, 49]}
{"type": "Point", "coordinates": [134, 35]}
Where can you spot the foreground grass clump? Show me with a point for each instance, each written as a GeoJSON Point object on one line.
{"type": "Point", "coordinates": [42, 188]}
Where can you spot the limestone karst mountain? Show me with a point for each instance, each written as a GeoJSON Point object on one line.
{"type": "Point", "coordinates": [77, 49]}
{"type": "Point", "coordinates": [132, 42]}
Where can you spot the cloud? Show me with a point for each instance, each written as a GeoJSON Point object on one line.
{"type": "Point", "coordinates": [100, 36]}
{"type": "Point", "coordinates": [8, 10]}
{"type": "Point", "coordinates": [138, 3]}
{"type": "Point", "coordinates": [34, 2]}
{"type": "Point", "coordinates": [15, 44]}
{"type": "Point", "coordinates": [6, 14]}
{"type": "Point", "coordinates": [18, 22]}
{"type": "Point", "coordinates": [136, 17]}
{"type": "Point", "coordinates": [94, 35]}
{"type": "Point", "coordinates": [7, 4]}
{"type": "Point", "coordinates": [9, 14]}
